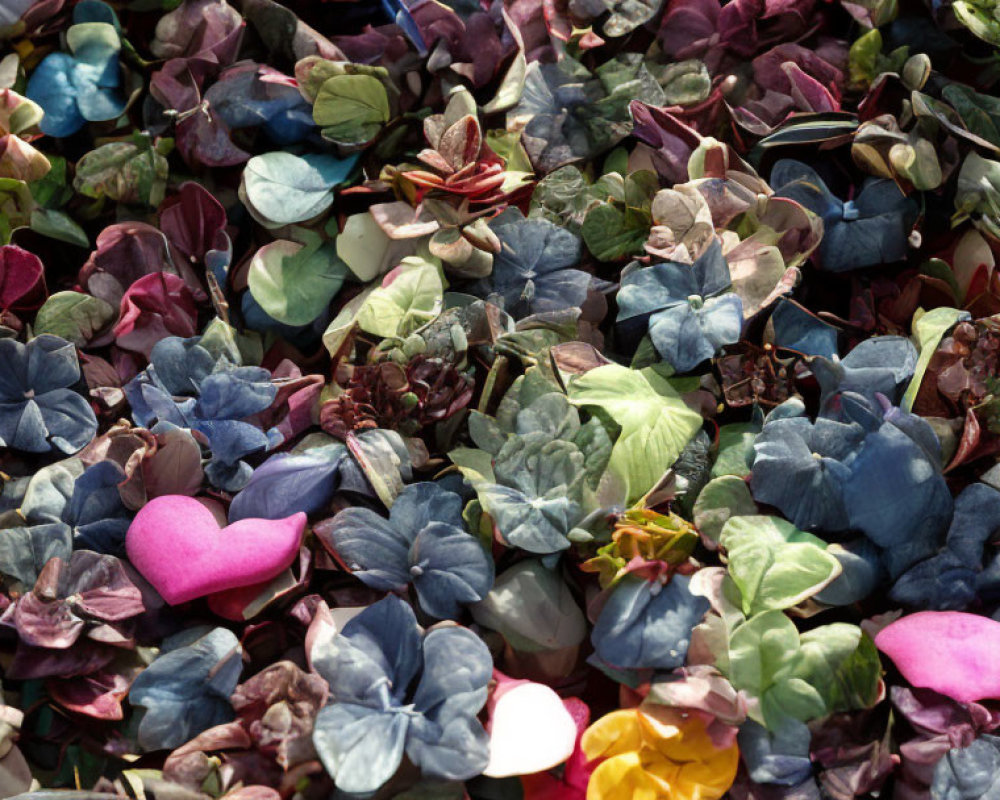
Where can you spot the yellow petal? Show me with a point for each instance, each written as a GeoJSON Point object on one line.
{"type": "Point", "coordinates": [623, 778]}
{"type": "Point", "coordinates": [613, 734]}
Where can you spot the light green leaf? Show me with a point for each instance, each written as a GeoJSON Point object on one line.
{"type": "Point", "coordinates": [367, 250]}
{"type": "Point", "coordinates": [351, 109]}
{"type": "Point", "coordinates": [282, 188]}
{"type": "Point", "coordinates": [412, 296]}
{"type": "Point", "coordinates": [773, 564]}
{"type": "Point", "coordinates": [928, 329]}
{"type": "Point", "coordinates": [74, 316]}
{"type": "Point", "coordinates": [611, 233]}
{"type": "Point", "coordinates": [655, 422]}
{"type": "Point", "coordinates": [721, 499]}
{"type": "Point", "coordinates": [293, 283]}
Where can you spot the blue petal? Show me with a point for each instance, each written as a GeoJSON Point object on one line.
{"type": "Point", "coordinates": [373, 660]}
{"type": "Point", "coordinates": [448, 741]}
{"type": "Point", "coordinates": [450, 568]}
{"type": "Point", "coordinates": [360, 747]}
{"type": "Point", "coordinates": [374, 549]}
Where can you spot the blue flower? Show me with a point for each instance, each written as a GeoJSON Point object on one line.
{"type": "Point", "coordinates": [225, 396]}
{"type": "Point", "coordinates": [38, 410]}
{"type": "Point", "coordinates": [424, 542]}
{"type": "Point", "coordinates": [533, 272]}
{"type": "Point", "coordinates": [687, 315]}
{"type": "Point", "coordinates": [85, 86]}
{"type": "Point", "coordinates": [872, 229]}
{"type": "Point", "coordinates": [396, 690]}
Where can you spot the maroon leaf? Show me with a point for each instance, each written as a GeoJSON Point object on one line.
{"type": "Point", "coordinates": [22, 279]}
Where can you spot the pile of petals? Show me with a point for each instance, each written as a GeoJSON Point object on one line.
{"type": "Point", "coordinates": [500, 399]}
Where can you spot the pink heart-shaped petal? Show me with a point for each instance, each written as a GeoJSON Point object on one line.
{"type": "Point", "coordinates": [951, 652]}
{"type": "Point", "coordinates": [177, 545]}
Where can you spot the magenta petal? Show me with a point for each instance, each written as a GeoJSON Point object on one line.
{"type": "Point", "coordinates": [953, 653]}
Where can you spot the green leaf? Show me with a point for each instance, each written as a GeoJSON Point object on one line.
{"type": "Point", "coordinates": [125, 172]}
{"type": "Point", "coordinates": [655, 422]}
{"type": "Point", "coordinates": [611, 235]}
{"type": "Point", "coordinates": [979, 112]}
{"type": "Point", "coordinates": [596, 446]}
{"type": "Point", "coordinates": [565, 195]}
{"type": "Point", "coordinates": [773, 564]}
{"type": "Point", "coordinates": [627, 15]}
{"type": "Point", "coordinates": [74, 316]}
{"type": "Point", "coordinates": [980, 18]}
{"type": "Point", "coordinates": [533, 608]}
{"type": "Point", "coordinates": [281, 188]}
{"type": "Point", "coordinates": [720, 499]}
{"type": "Point", "coordinates": [58, 225]}
{"type": "Point", "coordinates": [928, 329]}
{"type": "Point", "coordinates": [412, 296]}
{"type": "Point", "coordinates": [351, 109]}
{"type": "Point", "coordinates": [293, 283]}
{"type": "Point", "coordinates": [735, 444]}
{"type": "Point", "coordinates": [862, 58]}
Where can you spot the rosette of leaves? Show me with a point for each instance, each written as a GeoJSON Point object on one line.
{"type": "Point", "coordinates": [533, 272]}
{"type": "Point", "coordinates": [458, 164]}
{"type": "Point", "coordinates": [797, 677]}
{"type": "Point", "coordinates": [409, 397]}
{"type": "Point", "coordinates": [773, 565]}
{"type": "Point", "coordinates": [878, 471]}
{"type": "Point", "coordinates": [186, 690]}
{"type": "Point", "coordinates": [540, 465]}
{"type": "Point", "coordinates": [567, 113]}
{"type": "Point", "coordinates": [77, 620]}
{"type": "Point", "coordinates": [644, 534]}
{"type": "Point", "coordinates": [195, 384]}
{"type": "Point", "coordinates": [871, 229]}
{"type": "Point", "coordinates": [39, 412]}
{"type": "Point", "coordinates": [688, 316]}
{"type": "Point", "coordinates": [789, 78]}
{"type": "Point", "coordinates": [84, 85]}
{"type": "Point", "coordinates": [565, 195]}
{"type": "Point", "coordinates": [423, 543]}
{"type": "Point", "coordinates": [396, 690]}
{"type": "Point", "coordinates": [647, 623]}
